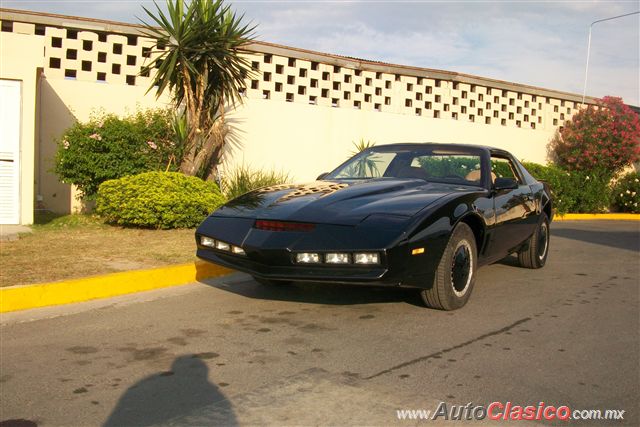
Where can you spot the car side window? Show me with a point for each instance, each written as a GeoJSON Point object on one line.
{"type": "Point", "coordinates": [502, 167]}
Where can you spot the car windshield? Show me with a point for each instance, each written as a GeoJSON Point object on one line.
{"type": "Point", "coordinates": [430, 164]}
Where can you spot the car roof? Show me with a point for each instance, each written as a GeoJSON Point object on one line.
{"type": "Point", "coordinates": [439, 145]}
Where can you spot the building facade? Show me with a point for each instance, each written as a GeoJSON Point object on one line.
{"type": "Point", "coordinates": [302, 110]}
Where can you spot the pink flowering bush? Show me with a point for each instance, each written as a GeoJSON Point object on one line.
{"type": "Point", "coordinates": [109, 147]}
{"type": "Point", "coordinates": [603, 138]}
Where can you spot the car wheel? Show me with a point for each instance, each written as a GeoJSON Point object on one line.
{"type": "Point", "coordinates": [456, 272]}
{"type": "Point", "coordinates": [268, 282]}
{"type": "Point", "coordinates": [535, 252]}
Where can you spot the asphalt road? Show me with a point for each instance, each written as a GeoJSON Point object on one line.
{"type": "Point", "coordinates": [233, 352]}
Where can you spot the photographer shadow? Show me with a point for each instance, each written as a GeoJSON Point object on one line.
{"type": "Point", "coordinates": [181, 396]}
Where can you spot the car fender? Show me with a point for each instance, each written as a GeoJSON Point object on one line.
{"type": "Point", "coordinates": [428, 239]}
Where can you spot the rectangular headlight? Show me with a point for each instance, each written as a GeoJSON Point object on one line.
{"type": "Point", "coordinates": [223, 246]}
{"type": "Point", "coordinates": [366, 258]}
{"type": "Point", "coordinates": [207, 241]}
{"type": "Point", "coordinates": [308, 258]}
{"type": "Point", "coordinates": [336, 258]}
{"type": "Point", "coordinates": [237, 250]}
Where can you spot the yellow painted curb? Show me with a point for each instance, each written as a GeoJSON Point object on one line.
{"type": "Point", "coordinates": [15, 298]}
{"type": "Point", "coordinates": [605, 216]}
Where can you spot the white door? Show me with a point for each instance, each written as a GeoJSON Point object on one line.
{"type": "Point", "coordinates": [10, 105]}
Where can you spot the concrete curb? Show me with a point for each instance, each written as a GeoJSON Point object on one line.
{"type": "Point", "coordinates": [12, 232]}
{"type": "Point", "coordinates": [16, 298]}
{"type": "Point", "coordinates": [591, 217]}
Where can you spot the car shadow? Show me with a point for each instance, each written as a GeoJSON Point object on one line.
{"type": "Point", "coordinates": [510, 261]}
{"type": "Point", "coordinates": [316, 293]}
{"type": "Point", "coordinates": [181, 396]}
{"type": "Point", "coordinates": [628, 240]}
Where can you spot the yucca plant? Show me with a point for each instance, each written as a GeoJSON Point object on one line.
{"type": "Point", "coordinates": [197, 57]}
{"type": "Point", "coordinates": [243, 179]}
{"type": "Point", "coordinates": [367, 166]}
{"type": "Point", "coordinates": [180, 135]}
{"type": "Point", "coordinates": [361, 145]}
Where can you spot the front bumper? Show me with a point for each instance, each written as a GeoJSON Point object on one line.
{"type": "Point", "coordinates": [369, 275]}
{"type": "Point", "coordinates": [269, 254]}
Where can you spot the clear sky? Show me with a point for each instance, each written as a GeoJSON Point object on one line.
{"type": "Point", "coordinates": [542, 43]}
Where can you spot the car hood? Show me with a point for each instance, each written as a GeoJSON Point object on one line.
{"type": "Point", "coordinates": [340, 202]}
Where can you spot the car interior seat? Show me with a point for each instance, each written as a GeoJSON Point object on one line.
{"type": "Point", "coordinates": [475, 175]}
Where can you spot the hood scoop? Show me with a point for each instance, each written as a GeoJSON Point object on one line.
{"type": "Point", "coordinates": [318, 188]}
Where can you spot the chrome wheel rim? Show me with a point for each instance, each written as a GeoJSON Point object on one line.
{"type": "Point", "coordinates": [543, 241]}
{"type": "Point", "coordinates": [461, 268]}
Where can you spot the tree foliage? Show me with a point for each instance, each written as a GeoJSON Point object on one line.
{"type": "Point", "coordinates": [603, 137]}
{"type": "Point", "coordinates": [201, 64]}
{"type": "Point", "coordinates": [108, 147]}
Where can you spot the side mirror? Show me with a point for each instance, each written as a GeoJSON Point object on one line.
{"type": "Point", "coordinates": [505, 184]}
{"type": "Point", "coordinates": [322, 175]}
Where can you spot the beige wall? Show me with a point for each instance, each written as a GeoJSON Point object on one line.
{"type": "Point", "coordinates": [306, 140]}
{"type": "Point", "coordinates": [13, 46]}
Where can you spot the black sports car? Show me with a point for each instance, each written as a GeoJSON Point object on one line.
{"type": "Point", "coordinates": [424, 216]}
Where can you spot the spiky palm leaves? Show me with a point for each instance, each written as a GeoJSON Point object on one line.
{"type": "Point", "coordinates": [198, 59]}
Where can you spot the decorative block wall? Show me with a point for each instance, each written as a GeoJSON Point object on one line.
{"type": "Point", "coordinates": [117, 58]}
{"type": "Point", "coordinates": [286, 79]}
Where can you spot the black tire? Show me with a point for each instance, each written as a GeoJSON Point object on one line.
{"type": "Point", "coordinates": [535, 251]}
{"type": "Point", "coordinates": [456, 273]}
{"type": "Point", "coordinates": [268, 282]}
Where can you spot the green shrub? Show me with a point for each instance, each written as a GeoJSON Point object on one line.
{"type": "Point", "coordinates": [501, 169]}
{"type": "Point", "coordinates": [575, 192]}
{"type": "Point", "coordinates": [109, 147]}
{"type": "Point", "coordinates": [243, 179]}
{"type": "Point", "coordinates": [626, 193]}
{"type": "Point", "coordinates": [157, 200]}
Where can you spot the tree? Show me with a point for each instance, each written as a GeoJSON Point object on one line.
{"type": "Point", "coordinates": [201, 63]}
{"type": "Point", "coordinates": [604, 138]}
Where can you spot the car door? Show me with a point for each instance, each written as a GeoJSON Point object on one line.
{"type": "Point", "coordinates": [514, 208]}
